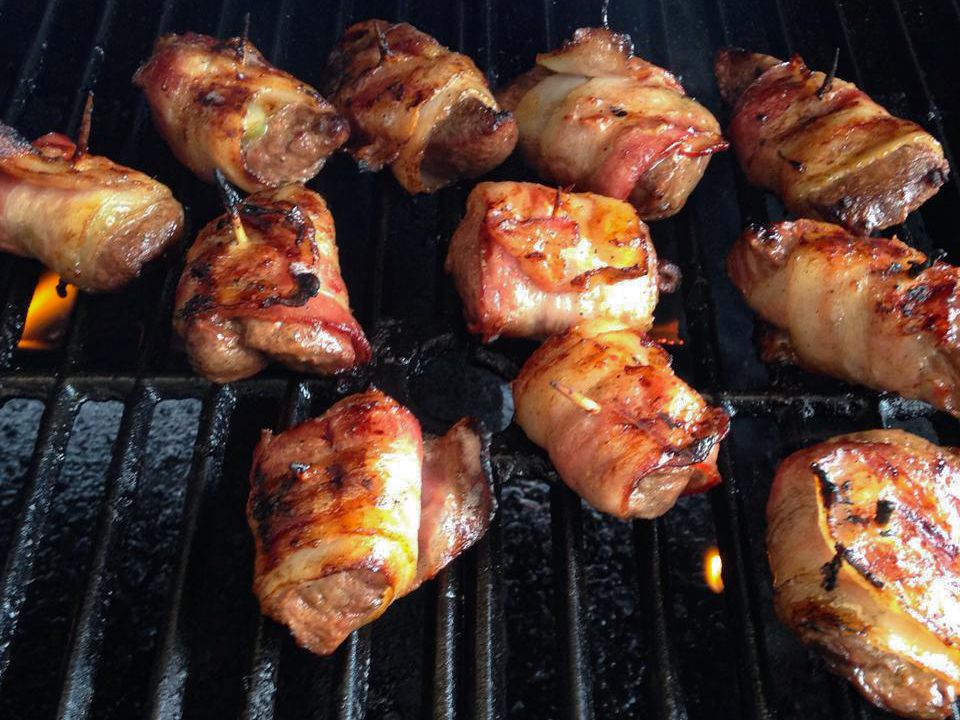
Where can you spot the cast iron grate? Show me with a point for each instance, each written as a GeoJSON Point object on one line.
{"type": "Point", "coordinates": [125, 583]}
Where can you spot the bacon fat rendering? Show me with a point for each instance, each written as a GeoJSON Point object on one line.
{"type": "Point", "coordinates": [862, 536]}
{"type": "Point", "coordinates": [823, 146]}
{"type": "Point", "coordinates": [220, 104]}
{"type": "Point", "coordinates": [352, 510]}
{"type": "Point", "coordinates": [417, 106]}
{"type": "Point", "coordinates": [530, 261]}
{"type": "Point", "coordinates": [622, 430]}
{"type": "Point", "coordinates": [594, 116]}
{"type": "Point", "coordinates": [267, 286]}
{"type": "Point", "coordinates": [872, 311]}
{"type": "Point", "coordinates": [93, 222]}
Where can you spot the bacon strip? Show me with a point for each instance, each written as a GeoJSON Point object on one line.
{"type": "Point", "coordinates": [93, 222]}
{"type": "Point", "coordinates": [220, 104]}
{"type": "Point", "coordinates": [622, 430]}
{"type": "Point", "coordinates": [529, 261]}
{"type": "Point", "coordinates": [823, 146]}
{"type": "Point", "coordinates": [352, 510]}
{"type": "Point", "coordinates": [868, 310]}
{"type": "Point", "coordinates": [416, 106]}
{"type": "Point", "coordinates": [863, 535]}
{"type": "Point", "coordinates": [275, 294]}
{"type": "Point", "coordinates": [594, 116]}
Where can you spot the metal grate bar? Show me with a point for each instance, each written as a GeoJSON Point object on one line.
{"type": "Point", "coordinates": [576, 677]}
{"type": "Point", "coordinates": [661, 681]}
{"type": "Point", "coordinates": [444, 698]}
{"type": "Point", "coordinates": [351, 697]}
{"type": "Point", "coordinates": [262, 687]}
{"type": "Point", "coordinates": [54, 433]}
{"type": "Point", "coordinates": [87, 635]}
{"type": "Point", "coordinates": [487, 696]}
{"type": "Point", "coordinates": [91, 68]}
{"type": "Point", "coordinates": [30, 67]}
{"type": "Point", "coordinates": [172, 664]}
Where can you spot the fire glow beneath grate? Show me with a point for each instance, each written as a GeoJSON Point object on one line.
{"type": "Point", "coordinates": [48, 314]}
{"type": "Point", "coordinates": [713, 570]}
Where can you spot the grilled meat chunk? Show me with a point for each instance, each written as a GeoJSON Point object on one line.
{"type": "Point", "coordinates": [867, 310]}
{"type": "Point", "coordinates": [416, 106]}
{"type": "Point", "coordinates": [863, 535]}
{"type": "Point", "coordinates": [823, 146]}
{"type": "Point", "coordinates": [271, 291]}
{"type": "Point", "coordinates": [93, 222]}
{"type": "Point", "coordinates": [220, 104]}
{"type": "Point", "coordinates": [622, 430]}
{"type": "Point", "coordinates": [594, 116]}
{"type": "Point", "coordinates": [348, 515]}
{"type": "Point", "coordinates": [530, 261]}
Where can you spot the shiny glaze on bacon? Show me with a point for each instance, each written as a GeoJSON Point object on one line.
{"type": "Point", "coordinates": [823, 146]}
{"type": "Point", "coordinates": [220, 104]}
{"type": "Point", "coordinates": [416, 106]}
{"type": "Point", "coordinates": [863, 536]}
{"type": "Point", "coordinates": [867, 310]}
{"type": "Point", "coordinates": [622, 430]}
{"type": "Point", "coordinates": [530, 261]}
{"type": "Point", "coordinates": [594, 116]}
{"type": "Point", "coordinates": [276, 296]}
{"type": "Point", "coordinates": [93, 222]}
{"type": "Point", "coordinates": [352, 510]}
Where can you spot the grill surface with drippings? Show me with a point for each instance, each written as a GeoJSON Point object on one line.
{"type": "Point", "coordinates": [125, 585]}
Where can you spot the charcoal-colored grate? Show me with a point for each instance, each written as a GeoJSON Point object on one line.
{"type": "Point", "coordinates": [128, 595]}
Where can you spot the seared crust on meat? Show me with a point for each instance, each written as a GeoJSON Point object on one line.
{"type": "Point", "coordinates": [277, 295]}
{"type": "Point", "coordinates": [334, 508]}
{"type": "Point", "coordinates": [622, 430]}
{"type": "Point", "coordinates": [593, 116]}
{"type": "Point", "coordinates": [823, 145]}
{"type": "Point", "coordinates": [872, 311]}
{"type": "Point", "coordinates": [352, 510]}
{"type": "Point", "coordinates": [220, 104]}
{"type": "Point", "coordinates": [529, 261]}
{"type": "Point", "coordinates": [862, 534]}
{"type": "Point", "coordinates": [416, 106]}
{"type": "Point", "coordinates": [93, 222]}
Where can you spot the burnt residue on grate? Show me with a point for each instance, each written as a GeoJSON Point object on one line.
{"type": "Point", "coordinates": [127, 560]}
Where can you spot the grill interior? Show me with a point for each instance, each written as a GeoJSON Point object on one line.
{"type": "Point", "coordinates": [126, 582]}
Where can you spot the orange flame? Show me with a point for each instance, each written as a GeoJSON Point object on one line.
{"type": "Point", "coordinates": [713, 570]}
{"type": "Point", "coordinates": [667, 333]}
{"type": "Point", "coordinates": [47, 315]}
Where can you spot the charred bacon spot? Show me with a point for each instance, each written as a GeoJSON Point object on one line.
{"type": "Point", "coordinates": [765, 234]}
{"type": "Point", "coordinates": [935, 177]}
{"type": "Point", "coordinates": [308, 285]}
{"type": "Point", "coordinates": [830, 570]}
{"type": "Point", "coordinates": [61, 288]}
{"type": "Point", "coordinates": [267, 504]}
{"type": "Point", "coordinates": [336, 475]}
{"type": "Point", "coordinates": [618, 111]}
{"type": "Point", "coordinates": [916, 295]}
{"type": "Point", "coordinates": [196, 304]}
{"type": "Point", "coordinates": [298, 468]}
{"type": "Point", "coordinates": [200, 270]}
{"type": "Point", "coordinates": [884, 512]}
{"type": "Point", "coordinates": [934, 257]}
{"type": "Point", "coordinates": [857, 519]}
{"type": "Point", "coordinates": [795, 164]}
{"type": "Point", "coordinates": [828, 489]}
{"type": "Point", "coordinates": [856, 565]}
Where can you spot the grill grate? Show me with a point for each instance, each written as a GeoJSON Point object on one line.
{"type": "Point", "coordinates": [558, 612]}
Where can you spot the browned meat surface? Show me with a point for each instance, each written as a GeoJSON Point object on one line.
{"type": "Point", "coordinates": [824, 146]}
{"type": "Point", "coordinates": [416, 106]}
{"type": "Point", "coordinates": [220, 104]}
{"type": "Point", "coordinates": [863, 533]}
{"type": "Point", "coordinates": [93, 222]}
{"type": "Point", "coordinates": [275, 293]}
{"type": "Point", "coordinates": [351, 510]}
{"type": "Point", "coordinates": [867, 310]}
{"type": "Point", "coordinates": [622, 430]}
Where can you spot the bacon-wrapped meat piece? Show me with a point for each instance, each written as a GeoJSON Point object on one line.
{"type": "Point", "coordinates": [530, 261]}
{"type": "Point", "coordinates": [416, 106]}
{"type": "Point", "coordinates": [862, 534]}
{"type": "Point", "coordinates": [823, 146]}
{"type": "Point", "coordinates": [220, 104]}
{"type": "Point", "coordinates": [622, 430]}
{"type": "Point", "coordinates": [867, 310]}
{"type": "Point", "coordinates": [594, 116]}
{"type": "Point", "coordinates": [348, 515]}
{"type": "Point", "coordinates": [264, 284]}
{"type": "Point", "coordinates": [93, 222]}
